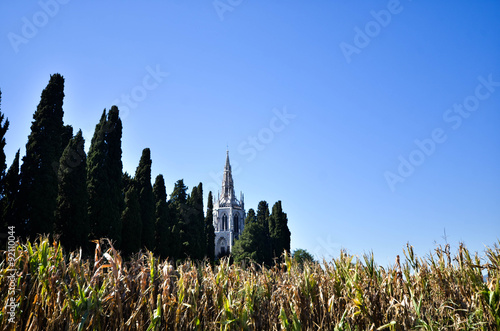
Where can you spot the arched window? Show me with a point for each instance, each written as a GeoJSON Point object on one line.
{"type": "Point", "coordinates": [224, 222]}
{"type": "Point", "coordinates": [236, 225]}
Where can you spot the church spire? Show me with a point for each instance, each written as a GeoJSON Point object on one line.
{"type": "Point", "coordinates": [227, 195]}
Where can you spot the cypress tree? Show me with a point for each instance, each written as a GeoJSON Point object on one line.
{"type": "Point", "coordinates": [146, 200]}
{"type": "Point", "coordinates": [178, 213]}
{"type": "Point", "coordinates": [195, 227]}
{"type": "Point", "coordinates": [162, 226]}
{"type": "Point", "coordinates": [251, 217]}
{"type": "Point", "coordinates": [104, 178]}
{"type": "Point", "coordinates": [10, 191]}
{"type": "Point", "coordinates": [264, 249]}
{"type": "Point", "coordinates": [39, 188]}
{"type": "Point", "coordinates": [252, 244]}
{"type": "Point", "coordinates": [209, 229]}
{"type": "Point", "coordinates": [131, 220]}
{"type": "Point", "coordinates": [189, 231]}
{"type": "Point", "coordinates": [71, 212]}
{"type": "Point", "coordinates": [279, 232]}
{"type": "Point", "coordinates": [127, 181]}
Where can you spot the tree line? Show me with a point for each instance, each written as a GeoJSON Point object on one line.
{"type": "Point", "coordinates": [61, 190]}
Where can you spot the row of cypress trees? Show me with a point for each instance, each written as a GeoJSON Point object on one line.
{"type": "Point", "coordinates": [265, 235]}
{"type": "Point", "coordinates": [59, 189]}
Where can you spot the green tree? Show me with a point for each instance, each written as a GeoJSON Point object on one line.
{"type": "Point", "coordinates": [178, 215]}
{"type": "Point", "coordinates": [302, 256]}
{"type": "Point", "coordinates": [247, 246]}
{"type": "Point", "coordinates": [195, 224]}
{"type": "Point", "coordinates": [104, 178]}
{"type": "Point", "coordinates": [10, 190]}
{"type": "Point", "coordinates": [163, 229]}
{"type": "Point", "coordinates": [264, 248]}
{"type": "Point", "coordinates": [39, 187]}
{"type": "Point", "coordinates": [71, 212]}
{"type": "Point", "coordinates": [251, 217]}
{"type": "Point", "coordinates": [146, 199]}
{"type": "Point", "coordinates": [253, 243]}
{"type": "Point", "coordinates": [279, 231]}
{"type": "Point", "coordinates": [131, 221]}
{"type": "Point", "coordinates": [209, 229]}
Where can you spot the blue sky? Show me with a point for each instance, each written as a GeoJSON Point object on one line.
{"type": "Point", "coordinates": [375, 123]}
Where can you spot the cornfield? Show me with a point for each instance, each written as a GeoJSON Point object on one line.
{"type": "Point", "coordinates": [55, 290]}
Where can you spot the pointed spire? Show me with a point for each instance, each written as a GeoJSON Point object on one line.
{"type": "Point", "coordinates": [228, 165]}
{"type": "Point", "coordinates": [227, 195]}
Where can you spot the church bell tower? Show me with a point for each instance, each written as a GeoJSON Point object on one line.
{"type": "Point", "coordinates": [229, 214]}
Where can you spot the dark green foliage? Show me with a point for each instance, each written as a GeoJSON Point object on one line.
{"type": "Point", "coordinates": [251, 217]}
{"type": "Point", "coordinates": [254, 243]}
{"type": "Point", "coordinates": [263, 247]}
{"type": "Point", "coordinates": [278, 230]}
{"type": "Point", "coordinates": [179, 216]}
{"type": "Point", "coordinates": [9, 203]}
{"type": "Point", "coordinates": [146, 200]}
{"type": "Point", "coordinates": [38, 190]}
{"type": "Point", "coordinates": [163, 237]}
{"type": "Point", "coordinates": [71, 213]}
{"type": "Point", "coordinates": [209, 229]}
{"type": "Point", "coordinates": [131, 222]}
{"type": "Point", "coordinates": [127, 181]}
{"type": "Point", "coordinates": [263, 213]}
{"type": "Point", "coordinates": [264, 236]}
{"type": "Point", "coordinates": [67, 135]}
{"type": "Point", "coordinates": [104, 178]}
{"type": "Point", "coordinates": [179, 194]}
{"type": "Point", "coordinates": [195, 225]}
{"type": "Point", "coordinates": [302, 256]}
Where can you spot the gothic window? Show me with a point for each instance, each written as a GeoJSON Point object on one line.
{"type": "Point", "coordinates": [236, 226]}
{"type": "Point", "coordinates": [224, 222]}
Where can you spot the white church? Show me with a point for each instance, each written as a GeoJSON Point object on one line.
{"type": "Point", "coordinates": [229, 214]}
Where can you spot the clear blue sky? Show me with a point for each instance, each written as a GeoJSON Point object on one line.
{"type": "Point", "coordinates": [319, 102]}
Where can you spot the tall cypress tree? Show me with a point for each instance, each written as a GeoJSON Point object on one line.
{"type": "Point", "coordinates": [71, 212]}
{"type": "Point", "coordinates": [162, 226]}
{"type": "Point", "coordinates": [38, 190]}
{"type": "Point", "coordinates": [279, 232]}
{"type": "Point", "coordinates": [104, 178]}
{"type": "Point", "coordinates": [146, 200]}
{"type": "Point", "coordinates": [195, 227]}
{"type": "Point", "coordinates": [10, 191]}
{"type": "Point", "coordinates": [131, 220]}
{"type": "Point", "coordinates": [178, 214]}
{"type": "Point", "coordinates": [209, 229]}
{"type": "Point", "coordinates": [264, 249]}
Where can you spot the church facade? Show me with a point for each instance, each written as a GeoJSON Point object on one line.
{"type": "Point", "coordinates": [229, 214]}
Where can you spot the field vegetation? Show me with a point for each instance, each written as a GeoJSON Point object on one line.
{"type": "Point", "coordinates": [56, 290]}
